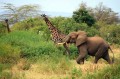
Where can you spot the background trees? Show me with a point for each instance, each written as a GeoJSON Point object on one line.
{"type": "Point", "coordinates": [100, 21]}
{"type": "Point", "coordinates": [16, 14]}
{"type": "Point", "coordinates": [82, 16]}
{"type": "Point", "coordinates": [105, 14]}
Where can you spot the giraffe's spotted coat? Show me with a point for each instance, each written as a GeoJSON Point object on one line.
{"type": "Point", "coordinates": [57, 36]}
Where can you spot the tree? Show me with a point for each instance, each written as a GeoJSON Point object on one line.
{"type": "Point", "coordinates": [82, 15]}
{"type": "Point", "coordinates": [105, 14]}
{"type": "Point", "coordinates": [111, 33]}
{"type": "Point", "coordinates": [19, 13]}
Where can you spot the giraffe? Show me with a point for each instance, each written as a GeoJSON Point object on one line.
{"type": "Point", "coordinates": [8, 28]}
{"type": "Point", "coordinates": [57, 36]}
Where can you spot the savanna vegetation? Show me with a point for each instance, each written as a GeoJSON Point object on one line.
{"type": "Point", "coordinates": [28, 52]}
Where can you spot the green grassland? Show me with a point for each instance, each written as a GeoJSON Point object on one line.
{"type": "Point", "coordinates": [27, 55]}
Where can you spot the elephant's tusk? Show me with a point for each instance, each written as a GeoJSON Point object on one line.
{"type": "Point", "coordinates": [60, 43]}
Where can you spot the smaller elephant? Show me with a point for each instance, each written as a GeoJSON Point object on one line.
{"type": "Point", "coordinates": [94, 46]}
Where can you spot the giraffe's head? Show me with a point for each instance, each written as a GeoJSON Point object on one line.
{"type": "Point", "coordinates": [43, 15]}
{"type": "Point", "coordinates": [6, 20]}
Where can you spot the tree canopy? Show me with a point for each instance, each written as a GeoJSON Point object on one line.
{"type": "Point", "coordinates": [82, 16]}
{"type": "Point", "coordinates": [16, 14]}
{"type": "Point", "coordinates": [104, 14]}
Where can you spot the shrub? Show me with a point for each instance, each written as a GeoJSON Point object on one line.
{"type": "Point", "coordinates": [111, 33]}
{"type": "Point", "coordinates": [8, 54]}
{"type": "Point", "coordinates": [28, 44]}
{"type": "Point", "coordinates": [28, 24]}
{"type": "Point", "coordinates": [73, 52]}
{"type": "Point", "coordinates": [2, 29]}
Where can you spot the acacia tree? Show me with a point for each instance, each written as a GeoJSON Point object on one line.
{"type": "Point", "coordinates": [82, 15]}
{"type": "Point", "coordinates": [105, 14]}
{"type": "Point", "coordinates": [19, 13]}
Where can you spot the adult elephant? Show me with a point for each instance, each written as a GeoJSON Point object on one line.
{"type": "Point", "coordinates": [94, 46]}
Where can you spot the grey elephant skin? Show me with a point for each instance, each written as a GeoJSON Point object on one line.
{"type": "Point", "coordinates": [94, 46]}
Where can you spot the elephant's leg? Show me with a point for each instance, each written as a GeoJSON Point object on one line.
{"type": "Point", "coordinates": [82, 61]}
{"type": "Point", "coordinates": [99, 54]}
{"type": "Point", "coordinates": [66, 49]}
{"type": "Point", "coordinates": [82, 53]}
{"type": "Point", "coordinates": [107, 57]}
{"type": "Point", "coordinates": [96, 59]}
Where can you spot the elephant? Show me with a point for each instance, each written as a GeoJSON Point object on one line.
{"type": "Point", "coordinates": [93, 46]}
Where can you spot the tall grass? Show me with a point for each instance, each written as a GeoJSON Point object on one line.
{"type": "Point", "coordinates": [109, 72]}
{"type": "Point", "coordinates": [25, 44]}
{"type": "Point", "coordinates": [54, 64]}
{"type": "Point", "coordinates": [106, 73]}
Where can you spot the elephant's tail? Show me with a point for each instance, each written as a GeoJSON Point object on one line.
{"type": "Point", "coordinates": [113, 54]}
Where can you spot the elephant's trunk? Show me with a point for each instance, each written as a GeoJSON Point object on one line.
{"type": "Point", "coordinates": [66, 39]}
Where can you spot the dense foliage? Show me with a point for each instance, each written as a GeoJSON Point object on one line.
{"type": "Point", "coordinates": [67, 25]}
{"type": "Point", "coordinates": [2, 29]}
{"type": "Point", "coordinates": [82, 16]}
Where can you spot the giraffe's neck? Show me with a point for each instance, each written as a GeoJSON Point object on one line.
{"type": "Point", "coordinates": [56, 35]}
{"type": "Point", "coordinates": [50, 25]}
{"type": "Point", "coordinates": [8, 28]}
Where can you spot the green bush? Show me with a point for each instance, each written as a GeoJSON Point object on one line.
{"type": "Point", "coordinates": [111, 33]}
{"type": "Point", "coordinates": [73, 52]}
{"type": "Point", "coordinates": [2, 29]}
{"type": "Point", "coordinates": [8, 54]}
{"type": "Point", "coordinates": [28, 44]}
{"type": "Point", "coordinates": [36, 25]}
{"type": "Point", "coordinates": [67, 25]}
{"type": "Point", "coordinates": [28, 24]}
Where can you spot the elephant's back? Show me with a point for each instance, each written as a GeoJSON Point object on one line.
{"type": "Point", "coordinates": [94, 43]}
{"type": "Point", "coordinates": [96, 40]}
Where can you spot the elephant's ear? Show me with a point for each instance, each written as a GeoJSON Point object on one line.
{"type": "Point", "coordinates": [82, 38]}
